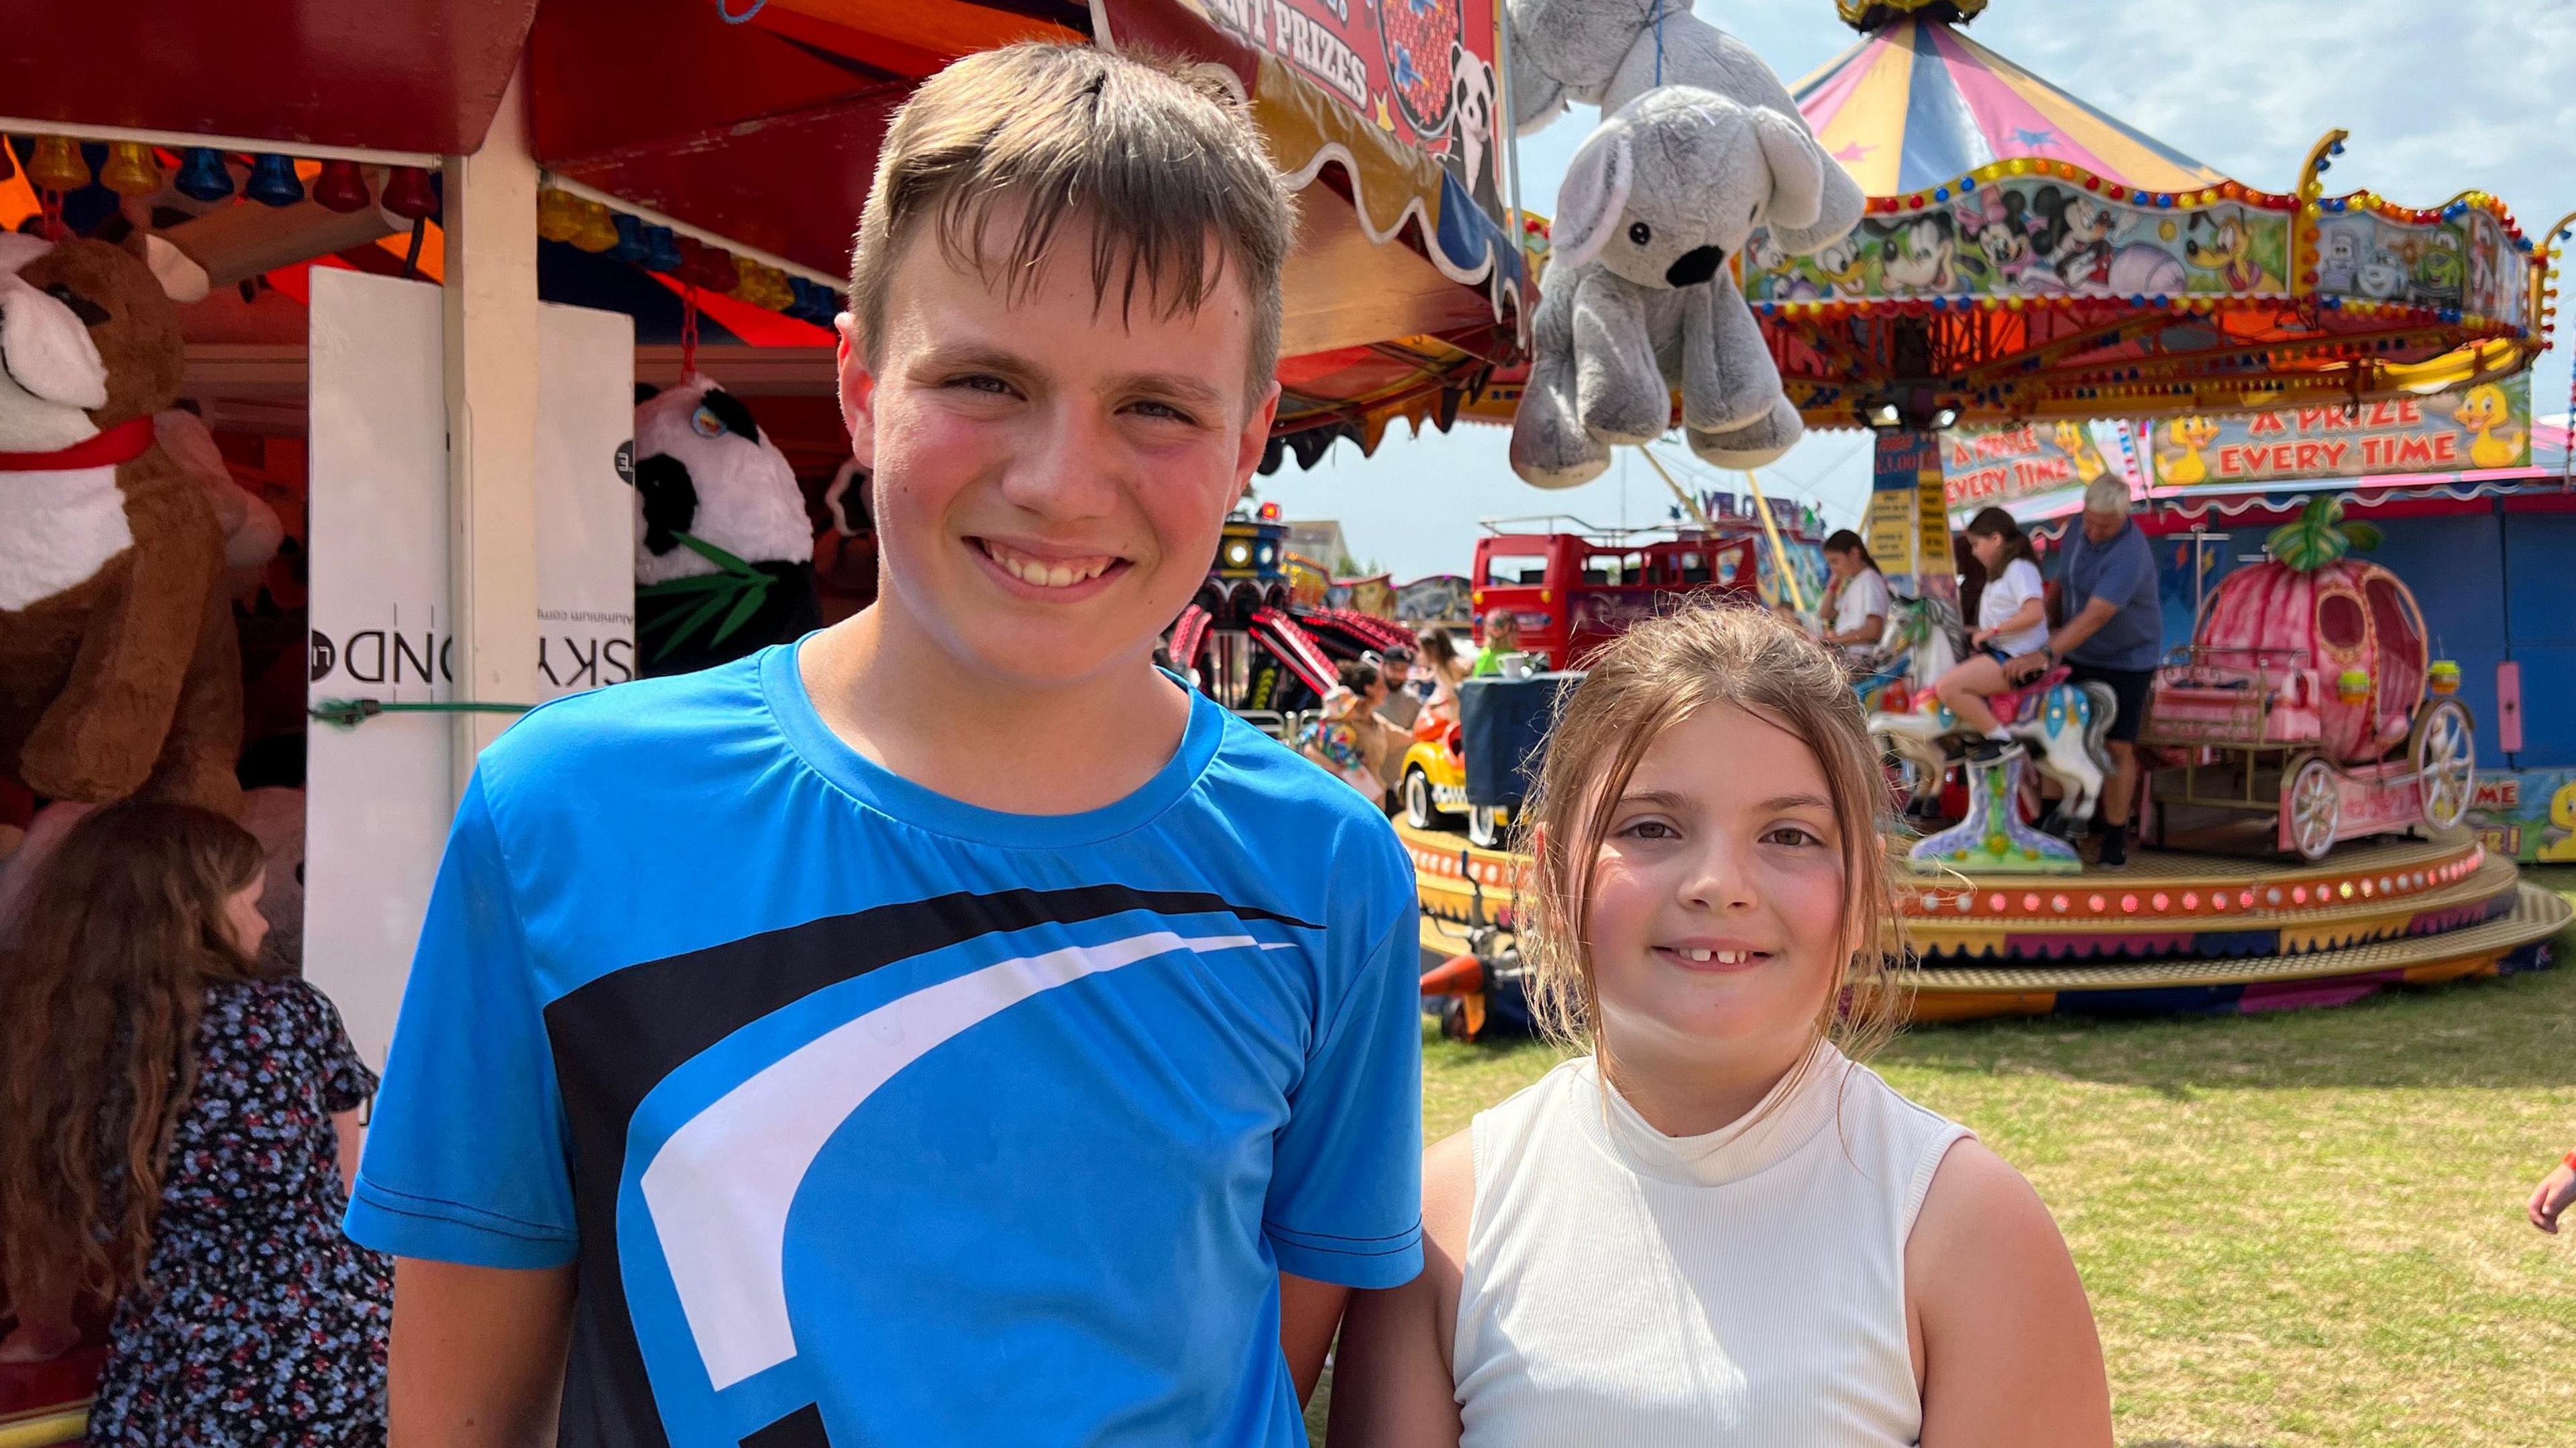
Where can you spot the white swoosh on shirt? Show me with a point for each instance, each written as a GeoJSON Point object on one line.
{"type": "Point", "coordinates": [719, 1190]}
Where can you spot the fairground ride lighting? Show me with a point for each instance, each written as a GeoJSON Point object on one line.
{"type": "Point", "coordinates": [1238, 554]}
{"type": "Point", "coordinates": [1941, 420]}
{"type": "Point", "coordinates": [1886, 415]}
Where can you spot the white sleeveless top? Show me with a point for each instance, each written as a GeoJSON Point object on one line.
{"type": "Point", "coordinates": [1743, 1289]}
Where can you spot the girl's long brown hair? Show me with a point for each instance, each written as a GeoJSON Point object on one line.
{"type": "Point", "coordinates": [1652, 677]}
{"type": "Point", "coordinates": [123, 931]}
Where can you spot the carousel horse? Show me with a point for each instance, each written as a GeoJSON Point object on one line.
{"type": "Point", "coordinates": [2062, 724]}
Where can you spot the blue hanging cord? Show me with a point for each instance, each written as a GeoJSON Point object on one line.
{"type": "Point", "coordinates": [729, 18]}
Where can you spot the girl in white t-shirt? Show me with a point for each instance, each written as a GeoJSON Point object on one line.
{"type": "Point", "coordinates": [1716, 1229]}
{"type": "Point", "coordinates": [2012, 620]}
{"type": "Point", "coordinates": [1855, 600]}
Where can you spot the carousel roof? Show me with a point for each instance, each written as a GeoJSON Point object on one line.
{"type": "Point", "coordinates": [1917, 103]}
{"type": "Point", "coordinates": [2026, 255]}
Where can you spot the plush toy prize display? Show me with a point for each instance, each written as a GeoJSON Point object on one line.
{"type": "Point", "coordinates": [1700, 146]}
{"type": "Point", "coordinates": [1638, 301]}
{"type": "Point", "coordinates": [724, 552]}
{"type": "Point", "coordinates": [119, 670]}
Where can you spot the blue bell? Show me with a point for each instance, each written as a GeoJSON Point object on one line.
{"type": "Point", "coordinates": [662, 249]}
{"type": "Point", "coordinates": [203, 176]}
{"type": "Point", "coordinates": [630, 239]}
{"type": "Point", "coordinates": [273, 181]}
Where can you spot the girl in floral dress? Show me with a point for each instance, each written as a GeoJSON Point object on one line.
{"type": "Point", "coordinates": [175, 1130]}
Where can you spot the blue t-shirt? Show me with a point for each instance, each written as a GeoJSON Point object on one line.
{"type": "Point", "coordinates": [2123, 572]}
{"type": "Point", "coordinates": [871, 1117]}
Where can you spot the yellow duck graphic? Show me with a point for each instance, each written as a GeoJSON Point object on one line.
{"type": "Point", "coordinates": [2183, 465]}
{"type": "Point", "coordinates": [2494, 440]}
{"type": "Point", "coordinates": [2077, 444]}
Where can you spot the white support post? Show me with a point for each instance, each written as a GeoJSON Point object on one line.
{"type": "Point", "coordinates": [491, 365]}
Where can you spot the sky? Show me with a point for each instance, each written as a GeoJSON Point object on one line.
{"type": "Point", "coordinates": [2474, 94]}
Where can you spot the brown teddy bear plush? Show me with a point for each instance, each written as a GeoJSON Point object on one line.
{"type": "Point", "coordinates": [119, 670]}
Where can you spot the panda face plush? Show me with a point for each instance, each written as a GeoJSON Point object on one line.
{"type": "Point", "coordinates": [704, 468]}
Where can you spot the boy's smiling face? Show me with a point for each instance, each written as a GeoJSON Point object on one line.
{"type": "Point", "coordinates": [1051, 478]}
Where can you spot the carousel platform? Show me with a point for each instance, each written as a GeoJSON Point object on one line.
{"type": "Point", "coordinates": [2179, 931]}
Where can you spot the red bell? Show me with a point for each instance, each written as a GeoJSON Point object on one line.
{"type": "Point", "coordinates": [340, 187]}
{"type": "Point", "coordinates": [409, 195]}
{"type": "Point", "coordinates": [706, 266]}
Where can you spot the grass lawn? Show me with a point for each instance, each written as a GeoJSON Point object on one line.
{"type": "Point", "coordinates": [2303, 1228]}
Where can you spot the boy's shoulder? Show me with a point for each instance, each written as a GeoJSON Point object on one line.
{"type": "Point", "coordinates": [605, 734]}
{"type": "Point", "coordinates": [1262, 797]}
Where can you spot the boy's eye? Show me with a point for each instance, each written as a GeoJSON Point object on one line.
{"type": "Point", "coordinates": [982, 382]}
{"type": "Point", "coordinates": [1151, 408]}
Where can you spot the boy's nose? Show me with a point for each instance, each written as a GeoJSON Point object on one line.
{"type": "Point", "coordinates": [1068, 471]}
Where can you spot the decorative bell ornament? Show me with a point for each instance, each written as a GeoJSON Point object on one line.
{"type": "Point", "coordinates": [131, 170]}
{"type": "Point", "coordinates": [203, 176]}
{"type": "Point", "coordinates": [341, 187]}
{"type": "Point", "coordinates": [273, 181]}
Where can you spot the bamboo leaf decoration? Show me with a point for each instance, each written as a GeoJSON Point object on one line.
{"type": "Point", "coordinates": [2319, 536]}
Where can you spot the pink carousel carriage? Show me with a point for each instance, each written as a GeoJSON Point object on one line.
{"type": "Point", "coordinates": [2307, 694]}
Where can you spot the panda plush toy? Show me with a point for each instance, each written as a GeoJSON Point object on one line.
{"type": "Point", "coordinates": [724, 553]}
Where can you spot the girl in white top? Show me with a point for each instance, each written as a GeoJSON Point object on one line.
{"type": "Point", "coordinates": [2012, 620]}
{"type": "Point", "coordinates": [1856, 616]}
{"type": "Point", "coordinates": [1716, 1229]}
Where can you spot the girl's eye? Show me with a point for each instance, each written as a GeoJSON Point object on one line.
{"type": "Point", "coordinates": [1797, 835]}
{"type": "Point", "coordinates": [1651, 830]}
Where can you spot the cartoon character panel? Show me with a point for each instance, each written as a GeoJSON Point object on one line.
{"type": "Point", "coordinates": [2020, 236]}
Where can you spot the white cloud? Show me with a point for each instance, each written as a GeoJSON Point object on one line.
{"type": "Point", "coordinates": [2479, 94]}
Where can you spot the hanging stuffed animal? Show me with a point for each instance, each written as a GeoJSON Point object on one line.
{"type": "Point", "coordinates": [1638, 302]}
{"type": "Point", "coordinates": [1607, 53]}
{"type": "Point", "coordinates": [724, 554]}
{"type": "Point", "coordinates": [119, 670]}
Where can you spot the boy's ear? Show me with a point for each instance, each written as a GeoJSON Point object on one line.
{"type": "Point", "coordinates": [858, 391]}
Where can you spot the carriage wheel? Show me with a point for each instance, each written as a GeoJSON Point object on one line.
{"type": "Point", "coordinates": [2446, 763]}
{"type": "Point", "coordinates": [1417, 800]}
{"type": "Point", "coordinates": [2315, 804]}
{"type": "Point", "coordinates": [1484, 827]}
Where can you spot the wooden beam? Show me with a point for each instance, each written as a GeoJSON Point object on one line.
{"type": "Point", "coordinates": [491, 313]}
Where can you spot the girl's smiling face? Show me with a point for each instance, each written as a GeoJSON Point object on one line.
{"type": "Point", "coordinates": [1718, 903]}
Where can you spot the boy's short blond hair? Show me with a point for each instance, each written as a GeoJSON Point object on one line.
{"type": "Point", "coordinates": [1159, 161]}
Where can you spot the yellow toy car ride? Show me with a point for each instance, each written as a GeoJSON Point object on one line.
{"type": "Point", "coordinates": [1434, 790]}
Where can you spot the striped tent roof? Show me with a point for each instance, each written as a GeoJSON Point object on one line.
{"type": "Point", "coordinates": [1916, 104]}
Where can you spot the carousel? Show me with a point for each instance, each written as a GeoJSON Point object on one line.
{"type": "Point", "coordinates": [2024, 263]}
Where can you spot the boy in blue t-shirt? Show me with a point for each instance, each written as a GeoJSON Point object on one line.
{"type": "Point", "coordinates": [947, 1030]}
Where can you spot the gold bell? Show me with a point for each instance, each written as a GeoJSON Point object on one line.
{"type": "Point", "coordinates": [57, 165]}
{"type": "Point", "coordinates": [131, 170]}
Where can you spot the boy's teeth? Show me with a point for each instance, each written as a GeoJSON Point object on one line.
{"type": "Point", "coordinates": [1046, 575]}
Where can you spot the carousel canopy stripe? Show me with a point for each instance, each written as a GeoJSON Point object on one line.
{"type": "Point", "coordinates": [1917, 103]}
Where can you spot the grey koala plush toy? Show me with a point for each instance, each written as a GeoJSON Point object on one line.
{"type": "Point", "coordinates": [1638, 301]}
{"type": "Point", "coordinates": [1607, 53]}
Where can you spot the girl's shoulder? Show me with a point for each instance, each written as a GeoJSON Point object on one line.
{"type": "Point", "coordinates": [2023, 571]}
{"type": "Point", "coordinates": [286, 1006]}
